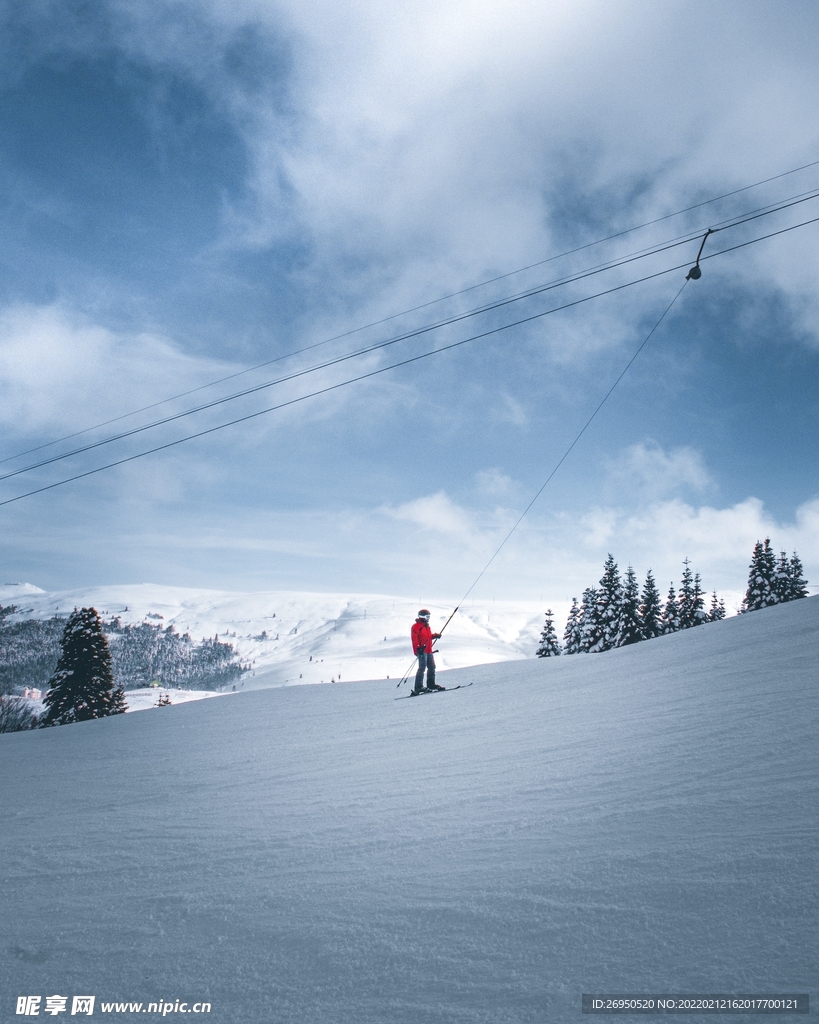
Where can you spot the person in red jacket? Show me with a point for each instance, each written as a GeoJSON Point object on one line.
{"type": "Point", "coordinates": [422, 637]}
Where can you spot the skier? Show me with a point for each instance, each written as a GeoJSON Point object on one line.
{"type": "Point", "coordinates": [422, 637]}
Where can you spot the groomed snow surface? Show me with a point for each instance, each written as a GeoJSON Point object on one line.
{"type": "Point", "coordinates": [641, 820]}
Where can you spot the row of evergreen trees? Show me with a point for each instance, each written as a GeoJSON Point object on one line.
{"type": "Point", "coordinates": [772, 580]}
{"type": "Point", "coordinates": [617, 613]}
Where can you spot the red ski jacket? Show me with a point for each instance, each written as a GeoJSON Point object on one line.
{"type": "Point", "coordinates": [422, 637]}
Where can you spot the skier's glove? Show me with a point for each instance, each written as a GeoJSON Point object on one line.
{"type": "Point", "coordinates": [436, 636]}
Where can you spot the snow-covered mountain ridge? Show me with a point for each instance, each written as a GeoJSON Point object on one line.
{"type": "Point", "coordinates": [639, 821]}
{"type": "Point", "coordinates": [292, 637]}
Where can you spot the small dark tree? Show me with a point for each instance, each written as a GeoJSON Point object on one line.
{"type": "Point", "coordinates": [798, 584]}
{"type": "Point", "coordinates": [650, 609]}
{"type": "Point", "coordinates": [82, 686]}
{"type": "Point", "coordinates": [549, 646]}
{"type": "Point", "coordinates": [572, 636]}
{"type": "Point", "coordinates": [698, 602]}
{"type": "Point", "coordinates": [671, 613]}
{"type": "Point", "coordinates": [685, 598]}
{"type": "Point", "coordinates": [630, 628]}
{"type": "Point", "coordinates": [717, 610]}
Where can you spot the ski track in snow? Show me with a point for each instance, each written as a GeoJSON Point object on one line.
{"type": "Point", "coordinates": [641, 820]}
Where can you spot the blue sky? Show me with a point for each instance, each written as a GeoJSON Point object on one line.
{"type": "Point", "coordinates": [190, 189]}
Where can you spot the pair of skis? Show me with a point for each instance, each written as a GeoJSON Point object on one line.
{"type": "Point", "coordinates": [441, 689]}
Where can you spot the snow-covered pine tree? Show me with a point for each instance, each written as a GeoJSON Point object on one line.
{"type": "Point", "coordinates": [700, 614]}
{"type": "Point", "coordinates": [651, 611]}
{"type": "Point", "coordinates": [761, 586]}
{"type": "Point", "coordinates": [589, 625]}
{"type": "Point", "coordinates": [798, 584]}
{"type": "Point", "coordinates": [630, 627]}
{"type": "Point", "coordinates": [609, 604]}
{"type": "Point", "coordinates": [717, 610]}
{"type": "Point", "coordinates": [685, 598]}
{"type": "Point", "coordinates": [782, 579]}
{"type": "Point", "coordinates": [572, 635]}
{"type": "Point", "coordinates": [671, 613]}
{"type": "Point", "coordinates": [82, 686]}
{"type": "Point", "coordinates": [549, 645]}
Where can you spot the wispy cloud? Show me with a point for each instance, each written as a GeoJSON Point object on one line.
{"type": "Point", "coordinates": [646, 468]}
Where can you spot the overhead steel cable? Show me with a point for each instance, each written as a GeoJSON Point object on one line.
{"type": "Point", "coordinates": [403, 362]}
{"type": "Point", "coordinates": [656, 249]}
{"type": "Point", "coordinates": [569, 450]}
{"type": "Point", "coordinates": [556, 467]}
{"type": "Point", "coordinates": [424, 305]}
{"type": "Point", "coordinates": [590, 419]}
{"type": "Point", "coordinates": [346, 357]}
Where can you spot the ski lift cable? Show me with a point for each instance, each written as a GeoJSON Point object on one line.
{"type": "Point", "coordinates": [377, 346]}
{"type": "Point", "coordinates": [560, 282]}
{"type": "Point", "coordinates": [559, 462]}
{"type": "Point", "coordinates": [335, 387]}
{"type": "Point", "coordinates": [568, 451]}
{"type": "Point", "coordinates": [401, 363]}
{"type": "Point", "coordinates": [691, 276]}
{"type": "Point", "coordinates": [413, 309]}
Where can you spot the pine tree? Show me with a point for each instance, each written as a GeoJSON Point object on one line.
{"type": "Point", "coordinates": [650, 609]}
{"type": "Point", "coordinates": [782, 579]}
{"type": "Point", "coordinates": [82, 686]}
{"type": "Point", "coordinates": [590, 632]}
{"type": "Point", "coordinates": [572, 635]}
{"type": "Point", "coordinates": [549, 646]}
{"type": "Point", "coordinates": [717, 610]}
{"type": "Point", "coordinates": [119, 705]}
{"type": "Point", "coordinates": [685, 598]}
{"type": "Point", "coordinates": [630, 629]}
{"type": "Point", "coordinates": [761, 586]}
{"type": "Point", "coordinates": [671, 613]}
{"type": "Point", "coordinates": [798, 584]}
{"type": "Point", "coordinates": [698, 602]}
{"type": "Point", "coordinates": [609, 603]}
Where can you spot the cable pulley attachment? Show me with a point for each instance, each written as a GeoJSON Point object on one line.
{"type": "Point", "coordinates": [694, 274]}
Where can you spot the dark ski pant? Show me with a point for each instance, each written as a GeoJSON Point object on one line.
{"type": "Point", "coordinates": [425, 662]}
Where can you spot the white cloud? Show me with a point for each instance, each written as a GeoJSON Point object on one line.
{"type": "Point", "coordinates": [437, 513]}
{"type": "Point", "coordinates": [58, 371]}
{"type": "Point", "coordinates": [651, 472]}
{"type": "Point", "coordinates": [418, 148]}
{"type": "Point", "coordinates": [718, 541]}
{"type": "Point", "coordinates": [494, 483]}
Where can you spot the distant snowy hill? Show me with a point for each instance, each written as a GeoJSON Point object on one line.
{"type": "Point", "coordinates": [295, 637]}
{"type": "Point", "coordinates": [640, 821]}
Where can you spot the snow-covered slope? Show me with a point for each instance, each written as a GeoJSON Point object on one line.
{"type": "Point", "coordinates": [295, 637]}
{"type": "Point", "coordinates": [642, 820]}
